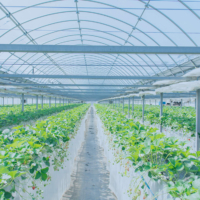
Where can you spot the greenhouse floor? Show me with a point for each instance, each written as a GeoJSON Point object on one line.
{"type": "Point", "coordinates": [90, 179]}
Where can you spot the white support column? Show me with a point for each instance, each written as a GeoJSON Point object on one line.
{"type": "Point", "coordinates": [181, 103]}
{"type": "Point", "coordinates": [195, 103]}
{"type": "Point", "coordinates": [63, 102]}
{"type": "Point", "coordinates": [37, 102]}
{"type": "Point", "coordinates": [161, 110]}
{"type": "Point", "coordinates": [132, 105]}
{"type": "Point", "coordinates": [49, 102]}
{"type": "Point", "coordinates": [2, 101]}
{"type": "Point", "coordinates": [42, 101]}
{"type": "Point", "coordinates": [22, 102]}
{"type": "Point", "coordinates": [123, 105]}
{"type": "Point", "coordinates": [129, 107]}
{"type": "Point", "coordinates": [55, 101]}
{"type": "Point", "coordinates": [143, 103]}
{"type": "Point", "coordinates": [13, 101]}
{"type": "Point", "coordinates": [155, 102]}
{"type": "Point", "coordinates": [32, 101]}
{"type": "Point", "coordinates": [198, 120]}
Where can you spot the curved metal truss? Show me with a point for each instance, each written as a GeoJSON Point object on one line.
{"type": "Point", "coordinates": [88, 22]}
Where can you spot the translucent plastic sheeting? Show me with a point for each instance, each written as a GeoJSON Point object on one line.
{"type": "Point", "coordinates": [147, 93]}
{"type": "Point", "coordinates": [134, 95]}
{"type": "Point", "coordinates": [145, 88]}
{"type": "Point", "coordinates": [193, 73]}
{"type": "Point", "coordinates": [87, 22]}
{"type": "Point", "coordinates": [180, 87]}
{"type": "Point", "coordinates": [166, 82]}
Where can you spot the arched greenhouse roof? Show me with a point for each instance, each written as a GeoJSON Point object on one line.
{"type": "Point", "coordinates": [103, 23]}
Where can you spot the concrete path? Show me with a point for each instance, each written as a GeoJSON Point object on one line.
{"type": "Point", "coordinates": [90, 179]}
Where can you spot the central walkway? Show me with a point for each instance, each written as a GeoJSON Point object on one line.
{"type": "Point", "coordinates": [90, 179]}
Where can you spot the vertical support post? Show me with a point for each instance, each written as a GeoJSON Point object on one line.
{"type": "Point", "coordinates": [63, 102]}
{"type": "Point", "coordinates": [143, 102]}
{"type": "Point", "coordinates": [161, 110]}
{"type": "Point", "coordinates": [42, 101]}
{"type": "Point", "coordinates": [155, 102]}
{"type": "Point", "coordinates": [195, 103]}
{"type": "Point", "coordinates": [181, 103]}
{"type": "Point", "coordinates": [129, 107]}
{"type": "Point", "coordinates": [123, 105]}
{"type": "Point", "coordinates": [49, 102]}
{"type": "Point", "coordinates": [198, 120]}
{"type": "Point", "coordinates": [13, 101]}
{"type": "Point", "coordinates": [55, 101]}
{"type": "Point", "coordinates": [132, 105]}
{"type": "Point", "coordinates": [22, 102]}
{"type": "Point", "coordinates": [37, 102]}
{"type": "Point", "coordinates": [2, 101]}
{"type": "Point", "coordinates": [32, 101]}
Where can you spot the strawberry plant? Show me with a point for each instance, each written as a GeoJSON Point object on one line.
{"type": "Point", "coordinates": [27, 152]}
{"type": "Point", "coordinates": [152, 153]}
{"type": "Point", "coordinates": [11, 115]}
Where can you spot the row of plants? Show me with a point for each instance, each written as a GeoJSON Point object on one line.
{"type": "Point", "coordinates": [28, 152]}
{"type": "Point", "coordinates": [153, 154]}
{"type": "Point", "coordinates": [177, 118]}
{"type": "Point", "coordinates": [13, 115]}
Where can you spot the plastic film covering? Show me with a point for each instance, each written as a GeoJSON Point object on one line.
{"type": "Point", "coordinates": [88, 22]}
{"type": "Point", "coordinates": [180, 87]}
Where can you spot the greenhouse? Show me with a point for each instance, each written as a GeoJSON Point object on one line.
{"type": "Point", "coordinates": [100, 100]}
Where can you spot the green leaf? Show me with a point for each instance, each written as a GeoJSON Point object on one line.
{"type": "Point", "coordinates": [44, 177]}
{"type": "Point", "coordinates": [38, 175]}
{"type": "Point", "coordinates": [12, 174]}
{"type": "Point", "coordinates": [3, 170]}
{"type": "Point", "coordinates": [8, 195]}
{"type": "Point", "coordinates": [32, 170]}
{"type": "Point", "coordinates": [2, 195]}
{"type": "Point", "coordinates": [172, 161]}
{"type": "Point", "coordinates": [179, 166]}
{"type": "Point", "coordinates": [44, 170]}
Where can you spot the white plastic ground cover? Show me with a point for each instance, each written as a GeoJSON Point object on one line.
{"type": "Point", "coordinates": [60, 180]}
{"type": "Point", "coordinates": [124, 185]}
{"type": "Point", "coordinates": [180, 87]}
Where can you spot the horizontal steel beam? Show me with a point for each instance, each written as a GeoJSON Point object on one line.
{"type": "Point", "coordinates": [167, 95]}
{"type": "Point", "coordinates": [72, 85]}
{"type": "Point", "coordinates": [98, 49]}
{"type": "Point", "coordinates": [92, 77]}
{"type": "Point", "coordinates": [94, 92]}
{"type": "Point", "coordinates": [89, 65]}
